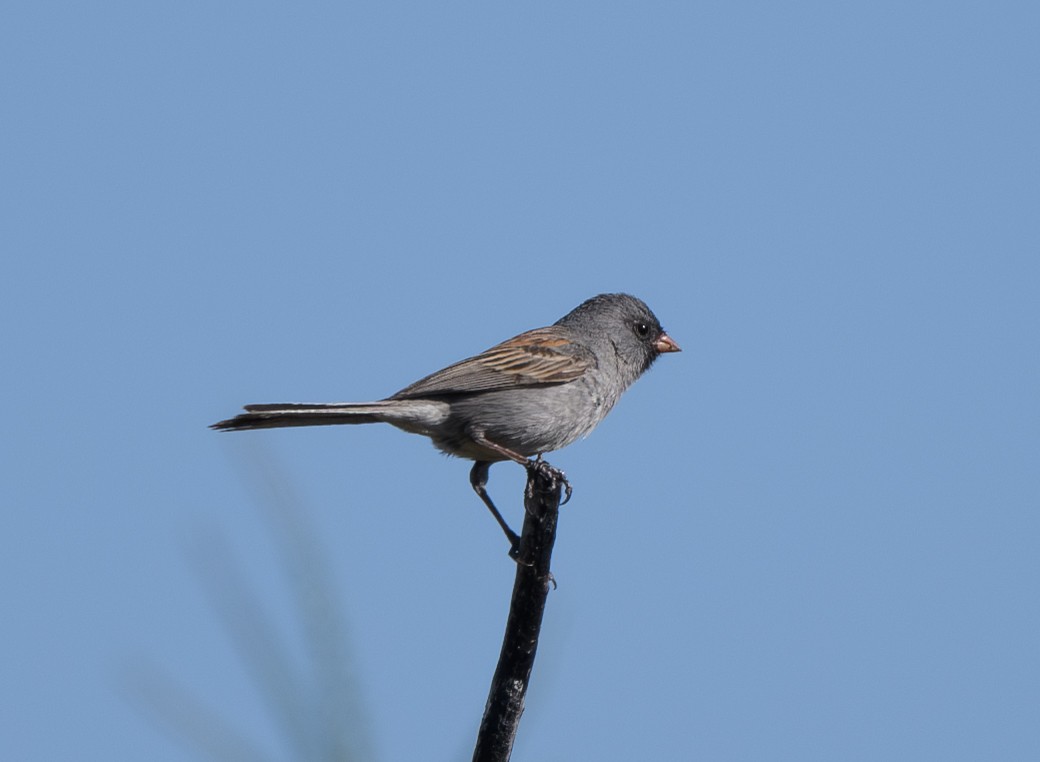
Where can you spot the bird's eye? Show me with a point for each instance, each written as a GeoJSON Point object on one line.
{"type": "Point", "coordinates": [642, 330]}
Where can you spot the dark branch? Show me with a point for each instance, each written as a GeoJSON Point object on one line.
{"type": "Point", "coordinates": [505, 702]}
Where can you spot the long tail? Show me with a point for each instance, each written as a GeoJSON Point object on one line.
{"type": "Point", "coordinates": [302, 414]}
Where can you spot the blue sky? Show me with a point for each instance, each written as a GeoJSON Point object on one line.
{"type": "Point", "coordinates": [810, 536]}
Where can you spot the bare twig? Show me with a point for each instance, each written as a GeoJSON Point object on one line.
{"type": "Point", "coordinates": [505, 702]}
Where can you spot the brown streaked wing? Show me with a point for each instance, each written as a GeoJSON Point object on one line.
{"type": "Point", "coordinates": [539, 357]}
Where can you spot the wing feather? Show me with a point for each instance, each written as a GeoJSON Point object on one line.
{"type": "Point", "coordinates": [536, 358]}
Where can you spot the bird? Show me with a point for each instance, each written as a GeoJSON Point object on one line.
{"type": "Point", "coordinates": [532, 394]}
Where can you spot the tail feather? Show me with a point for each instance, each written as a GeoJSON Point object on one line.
{"type": "Point", "coordinates": [280, 415]}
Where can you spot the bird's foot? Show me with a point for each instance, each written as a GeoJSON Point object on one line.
{"type": "Point", "coordinates": [554, 476]}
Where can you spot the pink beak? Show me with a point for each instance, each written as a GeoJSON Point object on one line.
{"type": "Point", "coordinates": [664, 343]}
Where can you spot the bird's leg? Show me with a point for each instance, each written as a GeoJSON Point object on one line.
{"type": "Point", "coordinates": [534, 463]}
{"type": "Point", "coordinates": [479, 438]}
{"type": "Point", "coordinates": [478, 477]}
